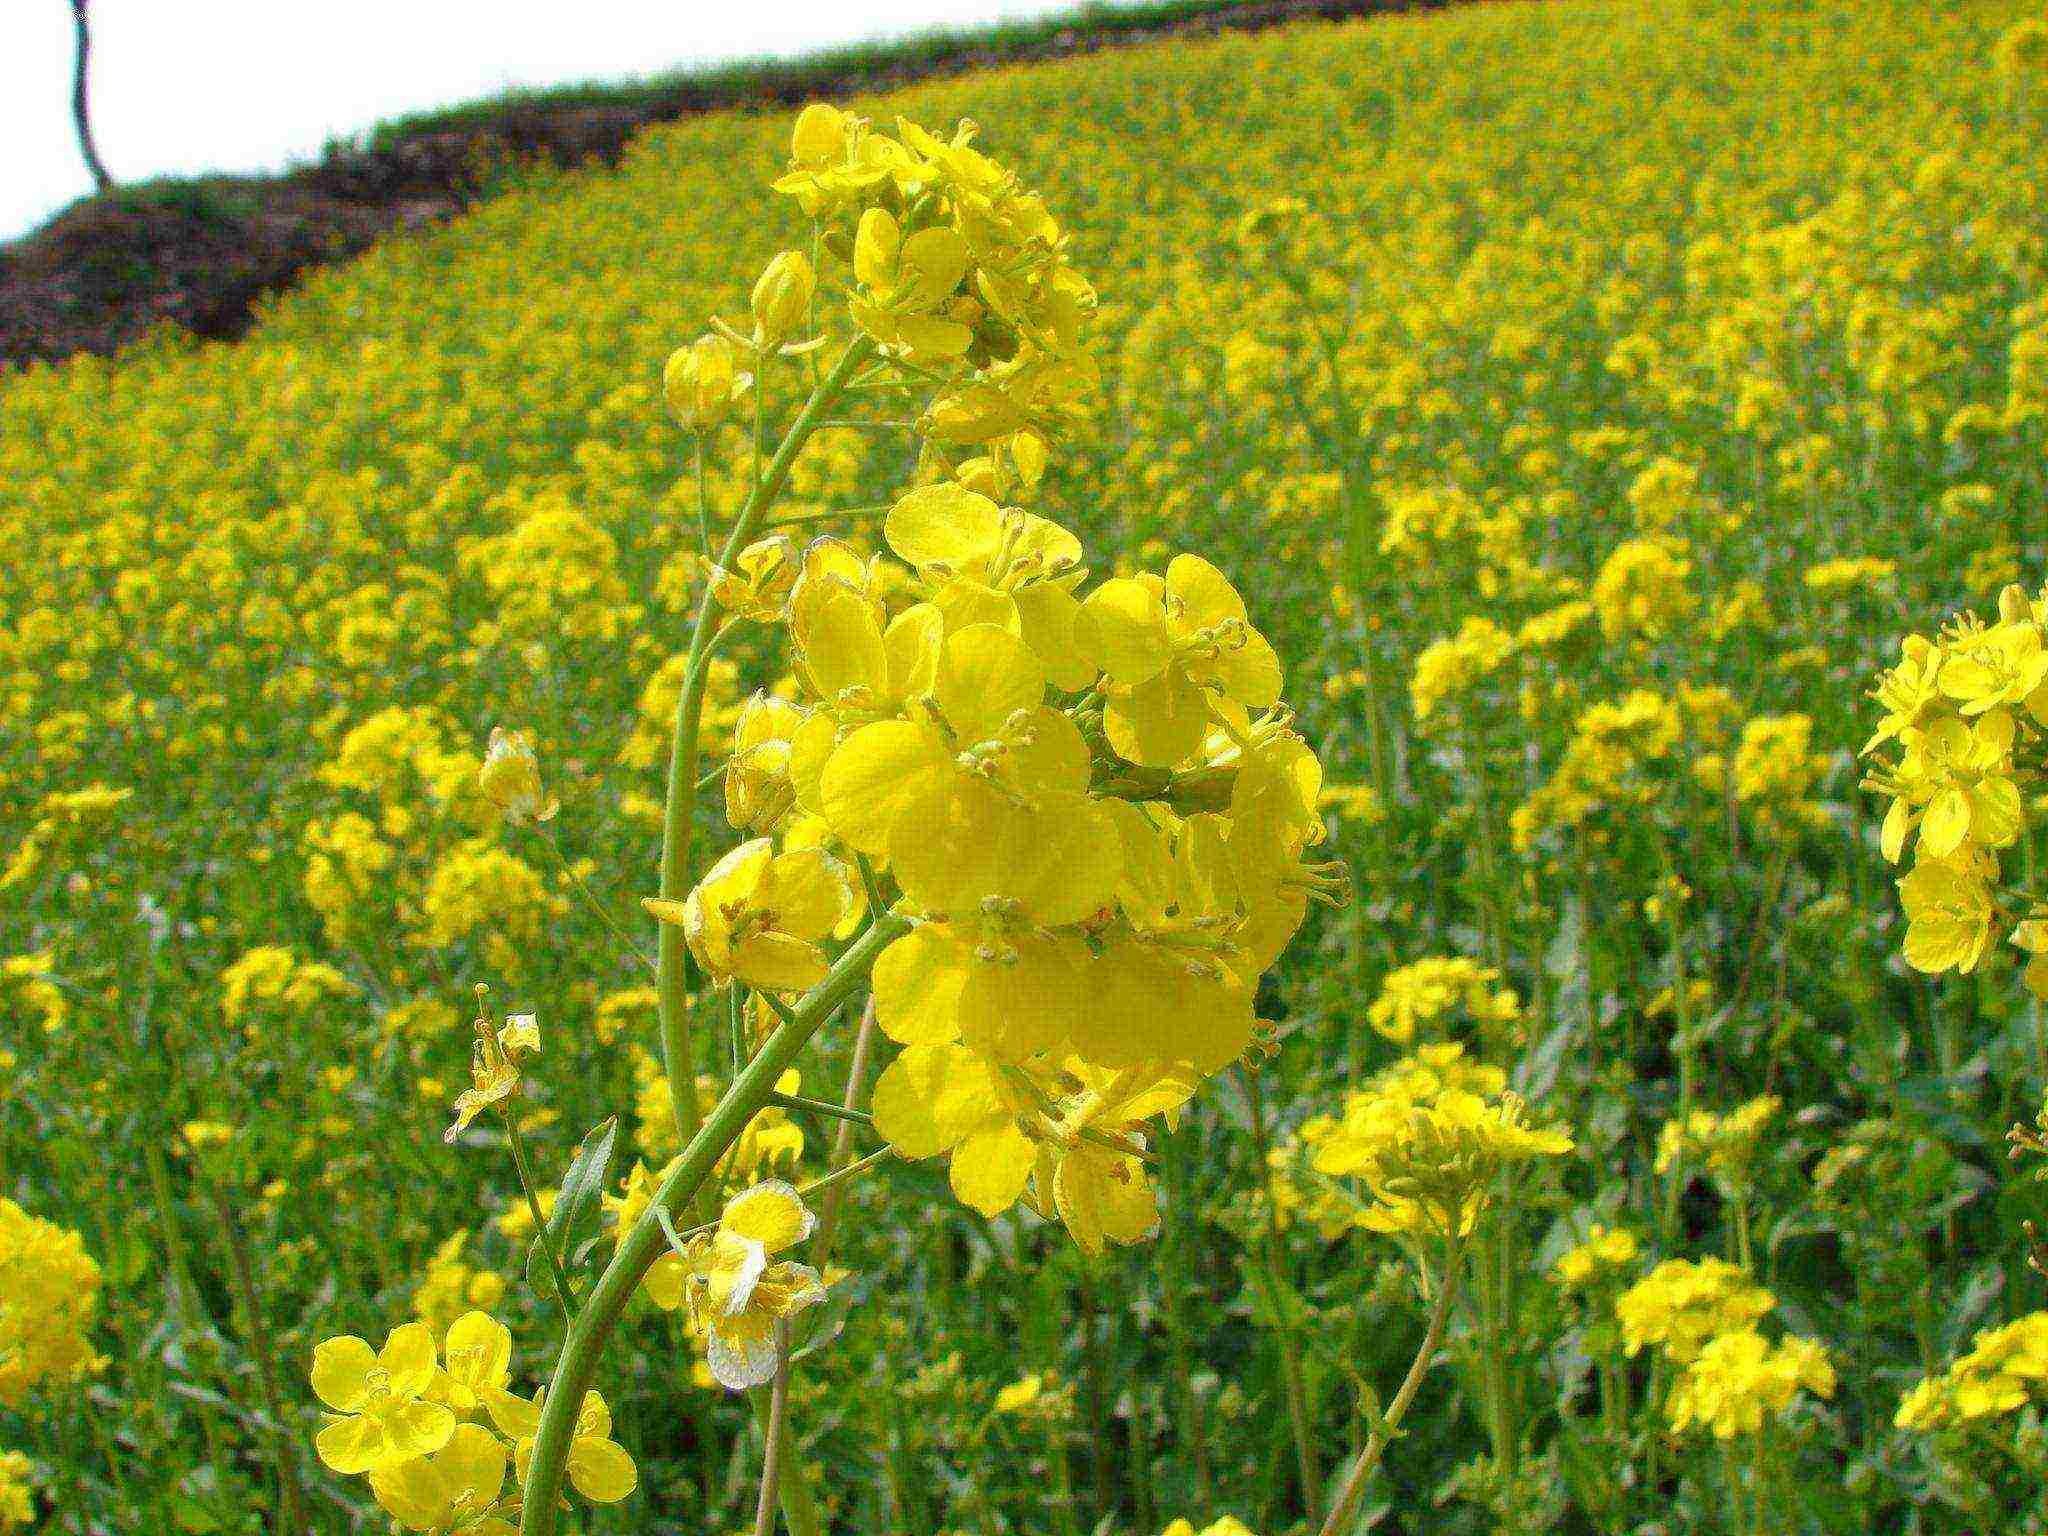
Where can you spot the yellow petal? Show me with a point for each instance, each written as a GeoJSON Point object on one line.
{"type": "Point", "coordinates": [985, 675]}
{"type": "Point", "coordinates": [776, 962]}
{"type": "Point", "coordinates": [474, 1461]}
{"type": "Point", "coordinates": [341, 1369]}
{"type": "Point", "coordinates": [350, 1446]}
{"type": "Point", "coordinates": [1159, 723]}
{"type": "Point", "coordinates": [408, 1356]}
{"type": "Point", "coordinates": [601, 1470]}
{"type": "Point", "coordinates": [931, 1097]}
{"type": "Point", "coordinates": [917, 983]}
{"type": "Point", "coordinates": [1206, 595]}
{"type": "Point", "coordinates": [991, 1168]}
{"type": "Point", "coordinates": [1103, 1198]}
{"type": "Point", "coordinates": [771, 1213]}
{"type": "Point", "coordinates": [808, 891]}
{"type": "Point", "coordinates": [944, 525]}
{"type": "Point", "coordinates": [873, 774]}
{"type": "Point", "coordinates": [1122, 629]}
{"type": "Point", "coordinates": [1946, 825]}
{"type": "Point", "coordinates": [945, 846]}
{"type": "Point", "coordinates": [842, 645]}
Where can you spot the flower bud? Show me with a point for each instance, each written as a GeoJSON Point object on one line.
{"type": "Point", "coordinates": [702, 383]}
{"type": "Point", "coordinates": [510, 778]}
{"type": "Point", "coordinates": [782, 298]}
{"type": "Point", "coordinates": [819, 137]}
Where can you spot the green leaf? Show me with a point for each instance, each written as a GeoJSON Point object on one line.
{"type": "Point", "coordinates": [588, 1174]}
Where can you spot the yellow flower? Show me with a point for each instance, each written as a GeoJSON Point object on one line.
{"type": "Point", "coordinates": [994, 565]}
{"type": "Point", "coordinates": [1167, 646]}
{"type": "Point", "coordinates": [1949, 912]}
{"type": "Point", "coordinates": [381, 1415]}
{"type": "Point", "coordinates": [739, 1292]}
{"type": "Point", "coordinates": [942, 1098]}
{"type": "Point", "coordinates": [478, 1363]}
{"type": "Point", "coordinates": [1019, 1395]}
{"type": "Point", "coordinates": [982, 793]}
{"type": "Point", "coordinates": [449, 1489]}
{"type": "Point", "coordinates": [758, 792]}
{"type": "Point", "coordinates": [494, 1068]}
{"type": "Point", "coordinates": [510, 778]}
{"type": "Point", "coordinates": [757, 586]}
{"type": "Point", "coordinates": [598, 1466]}
{"type": "Point", "coordinates": [757, 915]}
{"type": "Point", "coordinates": [702, 382]}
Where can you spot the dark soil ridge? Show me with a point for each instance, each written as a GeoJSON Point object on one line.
{"type": "Point", "coordinates": [200, 254]}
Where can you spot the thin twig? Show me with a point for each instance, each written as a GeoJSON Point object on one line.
{"type": "Point", "coordinates": [1345, 1505]}
{"type": "Point", "coordinates": [771, 1452]}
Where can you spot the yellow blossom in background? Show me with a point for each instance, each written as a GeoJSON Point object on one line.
{"type": "Point", "coordinates": [1738, 1380]}
{"type": "Point", "coordinates": [49, 1293]}
{"type": "Point", "coordinates": [1682, 1304]}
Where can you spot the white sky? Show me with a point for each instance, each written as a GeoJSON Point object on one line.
{"type": "Point", "coordinates": [181, 86]}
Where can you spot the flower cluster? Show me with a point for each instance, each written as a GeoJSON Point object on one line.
{"type": "Point", "coordinates": [1425, 992]}
{"type": "Point", "coordinates": [49, 1291]}
{"type": "Point", "coordinates": [2006, 1368]}
{"type": "Point", "coordinates": [1722, 1144]}
{"type": "Point", "coordinates": [1088, 805]}
{"type": "Point", "coordinates": [1964, 712]}
{"type": "Point", "coordinates": [1702, 1316]}
{"type": "Point", "coordinates": [1428, 1150]}
{"type": "Point", "coordinates": [436, 1429]}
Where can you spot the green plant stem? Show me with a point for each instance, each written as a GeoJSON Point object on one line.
{"type": "Point", "coordinates": [587, 1333]}
{"type": "Point", "coordinates": [541, 1234]}
{"type": "Point", "coordinates": [1291, 1375]}
{"type": "Point", "coordinates": [1352, 1489]}
{"type": "Point", "coordinates": [773, 1435]}
{"type": "Point", "coordinates": [590, 898]}
{"type": "Point", "coordinates": [242, 1277]}
{"type": "Point", "coordinates": [679, 818]}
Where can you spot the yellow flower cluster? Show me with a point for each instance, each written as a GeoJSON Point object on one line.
{"type": "Point", "coordinates": [1964, 711]}
{"type": "Point", "coordinates": [17, 1492]}
{"type": "Point", "coordinates": [2005, 1368]}
{"type": "Point", "coordinates": [1423, 992]}
{"type": "Point", "coordinates": [1429, 1140]}
{"type": "Point", "coordinates": [1725, 1144]}
{"type": "Point", "coordinates": [49, 1292]}
{"type": "Point", "coordinates": [1738, 1379]}
{"type": "Point", "coordinates": [1093, 809]}
{"type": "Point", "coordinates": [435, 1429]}
{"type": "Point", "coordinates": [1683, 1303]}
{"type": "Point", "coordinates": [272, 977]}
{"type": "Point", "coordinates": [1702, 1316]}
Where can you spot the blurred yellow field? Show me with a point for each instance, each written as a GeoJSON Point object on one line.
{"type": "Point", "coordinates": [1291, 908]}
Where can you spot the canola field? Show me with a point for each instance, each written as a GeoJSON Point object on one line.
{"type": "Point", "coordinates": [1216, 824]}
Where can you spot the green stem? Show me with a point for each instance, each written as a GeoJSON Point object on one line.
{"type": "Point", "coordinates": [679, 824]}
{"type": "Point", "coordinates": [645, 1242]}
{"type": "Point", "coordinates": [1291, 1374]}
{"type": "Point", "coordinates": [242, 1278]}
{"type": "Point", "coordinates": [541, 1234]}
{"type": "Point", "coordinates": [774, 1433]}
{"type": "Point", "coordinates": [1355, 1481]}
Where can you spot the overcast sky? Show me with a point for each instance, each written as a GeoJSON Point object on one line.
{"type": "Point", "coordinates": [180, 86]}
